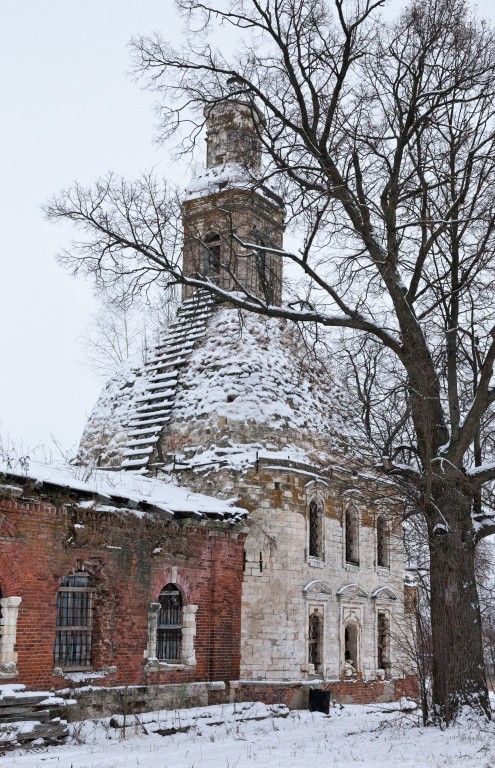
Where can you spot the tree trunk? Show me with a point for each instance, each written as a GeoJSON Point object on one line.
{"type": "Point", "coordinates": [457, 665]}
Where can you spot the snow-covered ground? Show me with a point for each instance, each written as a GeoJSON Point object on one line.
{"type": "Point", "coordinates": [243, 736]}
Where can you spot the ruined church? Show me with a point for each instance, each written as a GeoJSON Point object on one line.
{"type": "Point", "coordinates": [234, 406]}
{"type": "Point", "coordinates": [278, 566]}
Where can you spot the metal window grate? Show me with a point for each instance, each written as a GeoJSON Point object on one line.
{"type": "Point", "coordinates": [74, 622]}
{"type": "Point", "coordinates": [169, 629]}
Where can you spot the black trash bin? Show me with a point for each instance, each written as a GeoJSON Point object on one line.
{"type": "Point", "coordinates": [319, 701]}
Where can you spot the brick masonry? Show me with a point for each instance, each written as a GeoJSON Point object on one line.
{"type": "Point", "coordinates": [131, 558]}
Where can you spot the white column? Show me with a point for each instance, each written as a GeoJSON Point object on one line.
{"type": "Point", "coordinates": [188, 634]}
{"type": "Point", "coordinates": [153, 611]}
{"type": "Point", "coordinates": [8, 631]}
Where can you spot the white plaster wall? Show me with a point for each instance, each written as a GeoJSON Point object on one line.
{"type": "Point", "coordinates": [274, 624]}
{"type": "Point", "coordinates": [275, 610]}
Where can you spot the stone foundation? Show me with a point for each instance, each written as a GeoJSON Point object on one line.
{"type": "Point", "coordinates": [295, 695]}
{"type": "Point", "coordinates": [105, 702]}
{"type": "Point", "coordinates": [127, 700]}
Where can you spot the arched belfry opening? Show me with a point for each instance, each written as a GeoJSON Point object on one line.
{"type": "Point", "coordinates": [315, 529]}
{"type": "Point", "coordinates": [231, 218]}
{"type": "Point", "coordinates": [212, 256]}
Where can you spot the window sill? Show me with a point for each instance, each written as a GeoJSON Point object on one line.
{"type": "Point", "coordinates": [316, 562]}
{"type": "Point", "coordinates": [78, 675]}
{"type": "Point", "coordinates": [352, 566]}
{"type": "Point", "coordinates": [383, 675]}
{"type": "Point", "coordinates": [385, 569]}
{"type": "Point", "coordinates": [8, 670]}
{"type": "Point", "coordinates": [155, 665]}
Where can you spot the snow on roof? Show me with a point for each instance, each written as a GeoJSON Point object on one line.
{"type": "Point", "coordinates": [128, 487]}
{"type": "Point", "coordinates": [242, 456]}
{"type": "Point", "coordinates": [227, 176]}
{"type": "Point", "coordinates": [255, 369]}
{"type": "Point", "coordinates": [247, 389]}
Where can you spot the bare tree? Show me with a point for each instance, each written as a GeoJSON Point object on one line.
{"type": "Point", "coordinates": [381, 139]}
{"type": "Point", "coordinates": [121, 330]}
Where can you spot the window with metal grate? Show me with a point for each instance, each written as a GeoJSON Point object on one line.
{"type": "Point", "coordinates": [169, 629]}
{"type": "Point", "coordinates": [74, 634]}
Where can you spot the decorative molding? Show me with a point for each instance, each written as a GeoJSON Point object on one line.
{"type": "Point", "coordinates": [316, 587]}
{"type": "Point", "coordinates": [317, 481]}
{"type": "Point", "coordinates": [188, 656]}
{"type": "Point", "coordinates": [383, 593]}
{"type": "Point", "coordinates": [351, 592]}
{"type": "Point", "coordinates": [351, 492]}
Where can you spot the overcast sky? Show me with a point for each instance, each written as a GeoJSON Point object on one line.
{"type": "Point", "coordinates": [69, 111]}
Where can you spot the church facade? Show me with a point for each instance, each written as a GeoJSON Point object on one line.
{"type": "Point", "coordinates": [232, 404]}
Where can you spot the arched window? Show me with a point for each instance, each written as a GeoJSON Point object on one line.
{"type": "Point", "coordinates": [315, 529]}
{"type": "Point", "coordinates": [169, 628]}
{"type": "Point", "coordinates": [315, 639]}
{"type": "Point", "coordinates": [383, 643]}
{"type": "Point", "coordinates": [73, 637]}
{"type": "Point", "coordinates": [351, 536]}
{"type": "Point", "coordinates": [351, 647]}
{"type": "Point", "coordinates": [212, 255]}
{"type": "Point", "coordinates": [382, 542]}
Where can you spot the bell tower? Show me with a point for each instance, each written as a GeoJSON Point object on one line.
{"type": "Point", "coordinates": [228, 211]}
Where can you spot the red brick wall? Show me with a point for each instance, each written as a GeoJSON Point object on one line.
{"type": "Point", "coordinates": [355, 691]}
{"type": "Point", "coordinates": [293, 695]}
{"type": "Point", "coordinates": [39, 545]}
{"type": "Point", "coordinates": [368, 692]}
